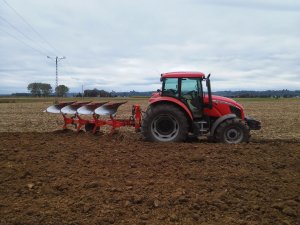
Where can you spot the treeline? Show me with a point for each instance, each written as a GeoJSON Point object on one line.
{"type": "Point", "coordinates": [95, 93]}
{"type": "Point", "coordinates": [40, 89]}
{"type": "Point", "coordinates": [232, 94]}
{"type": "Point", "coordinates": [102, 93]}
{"type": "Point", "coordinates": [132, 93]}
{"type": "Point", "coordinates": [260, 94]}
{"type": "Point", "coordinates": [45, 90]}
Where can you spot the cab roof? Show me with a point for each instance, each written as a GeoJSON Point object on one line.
{"type": "Point", "coordinates": [183, 75]}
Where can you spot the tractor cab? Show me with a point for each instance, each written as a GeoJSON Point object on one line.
{"type": "Point", "coordinates": [187, 88]}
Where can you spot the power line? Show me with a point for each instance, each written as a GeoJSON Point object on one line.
{"type": "Point", "coordinates": [35, 49]}
{"type": "Point", "coordinates": [57, 59]}
{"type": "Point", "coordinates": [68, 69]}
{"type": "Point", "coordinates": [31, 27]}
{"type": "Point", "coordinates": [21, 32]}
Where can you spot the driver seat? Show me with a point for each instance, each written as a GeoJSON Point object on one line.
{"type": "Point", "coordinates": [194, 104]}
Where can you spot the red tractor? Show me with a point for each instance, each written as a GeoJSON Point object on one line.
{"type": "Point", "coordinates": [182, 108]}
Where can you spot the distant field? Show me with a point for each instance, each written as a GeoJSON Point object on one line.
{"type": "Point", "coordinates": [279, 117]}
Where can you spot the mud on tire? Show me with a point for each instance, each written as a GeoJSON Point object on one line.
{"type": "Point", "coordinates": [165, 123]}
{"type": "Point", "coordinates": [232, 131]}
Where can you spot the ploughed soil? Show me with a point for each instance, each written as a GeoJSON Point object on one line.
{"type": "Point", "coordinates": [68, 178]}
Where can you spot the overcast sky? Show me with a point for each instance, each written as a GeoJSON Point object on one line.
{"type": "Point", "coordinates": [125, 45]}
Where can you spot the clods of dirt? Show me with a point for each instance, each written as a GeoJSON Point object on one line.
{"type": "Point", "coordinates": [69, 178]}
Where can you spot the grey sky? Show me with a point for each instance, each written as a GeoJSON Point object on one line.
{"type": "Point", "coordinates": [124, 45]}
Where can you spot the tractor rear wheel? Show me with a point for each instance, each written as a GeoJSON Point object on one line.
{"type": "Point", "coordinates": [232, 131]}
{"type": "Point", "coordinates": [164, 123]}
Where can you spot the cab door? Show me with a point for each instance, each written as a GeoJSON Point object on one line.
{"type": "Point", "coordinates": [191, 95]}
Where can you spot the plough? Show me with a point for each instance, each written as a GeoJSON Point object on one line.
{"type": "Point", "coordinates": [72, 113]}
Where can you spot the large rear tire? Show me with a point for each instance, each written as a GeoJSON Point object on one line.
{"type": "Point", "coordinates": [232, 131]}
{"type": "Point", "coordinates": [164, 123]}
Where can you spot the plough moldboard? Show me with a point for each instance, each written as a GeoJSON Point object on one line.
{"type": "Point", "coordinates": [102, 113]}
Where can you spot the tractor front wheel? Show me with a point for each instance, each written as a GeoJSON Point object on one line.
{"type": "Point", "coordinates": [232, 131]}
{"type": "Point", "coordinates": [164, 123]}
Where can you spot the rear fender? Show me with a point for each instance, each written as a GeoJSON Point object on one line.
{"type": "Point", "coordinates": [173, 101]}
{"type": "Point", "coordinates": [219, 121]}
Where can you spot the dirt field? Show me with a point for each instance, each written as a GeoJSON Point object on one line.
{"type": "Point", "coordinates": [53, 177]}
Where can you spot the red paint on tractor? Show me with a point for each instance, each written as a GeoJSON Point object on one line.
{"type": "Point", "coordinates": [183, 75]}
{"type": "Point", "coordinates": [220, 105]}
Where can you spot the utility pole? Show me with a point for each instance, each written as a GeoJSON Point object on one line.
{"type": "Point", "coordinates": [57, 59]}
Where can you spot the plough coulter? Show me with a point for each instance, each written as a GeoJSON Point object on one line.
{"type": "Point", "coordinates": [183, 107]}
{"type": "Point", "coordinates": [73, 113]}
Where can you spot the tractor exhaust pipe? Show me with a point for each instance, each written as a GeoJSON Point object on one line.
{"type": "Point", "coordinates": [209, 105]}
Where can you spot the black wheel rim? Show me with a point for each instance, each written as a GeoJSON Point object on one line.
{"type": "Point", "coordinates": [233, 135]}
{"type": "Point", "coordinates": [165, 127]}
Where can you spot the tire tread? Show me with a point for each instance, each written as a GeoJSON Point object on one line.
{"type": "Point", "coordinates": [151, 113]}
{"type": "Point", "coordinates": [219, 134]}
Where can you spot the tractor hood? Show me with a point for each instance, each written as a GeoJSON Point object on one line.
{"type": "Point", "coordinates": [223, 100]}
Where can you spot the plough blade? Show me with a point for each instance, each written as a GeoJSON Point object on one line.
{"type": "Point", "coordinates": [56, 108]}
{"type": "Point", "coordinates": [72, 109]}
{"type": "Point", "coordinates": [109, 109]}
{"type": "Point", "coordinates": [89, 108]}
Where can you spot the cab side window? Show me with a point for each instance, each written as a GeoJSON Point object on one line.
{"type": "Point", "coordinates": [171, 87]}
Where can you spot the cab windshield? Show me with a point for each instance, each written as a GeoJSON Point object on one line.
{"type": "Point", "coordinates": [187, 88]}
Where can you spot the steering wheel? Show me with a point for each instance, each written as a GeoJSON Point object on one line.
{"type": "Point", "coordinates": [171, 91]}
{"type": "Point", "coordinates": [192, 93]}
